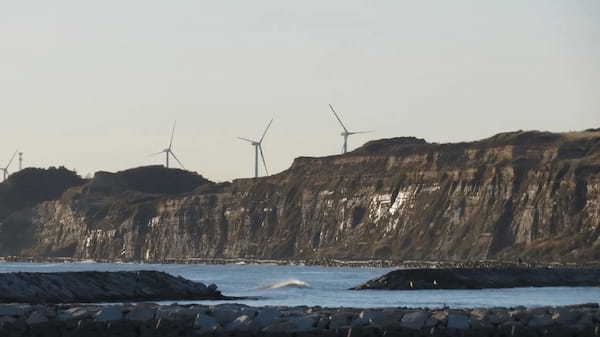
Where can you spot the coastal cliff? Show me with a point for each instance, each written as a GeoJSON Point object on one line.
{"type": "Point", "coordinates": [520, 195]}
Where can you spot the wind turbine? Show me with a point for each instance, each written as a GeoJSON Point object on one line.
{"type": "Point", "coordinates": [346, 133]}
{"type": "Point", "coordinates": [5, 169]}
{"type": "Point", "coordinates": [258, 148]}
{"type": "Point", "coordinates": [20, 161]}
{"type": "Point", "coordinates": [169, 151]}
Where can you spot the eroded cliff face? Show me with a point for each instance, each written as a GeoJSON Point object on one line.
{"type": "Point", "coordinates": [528, 195]}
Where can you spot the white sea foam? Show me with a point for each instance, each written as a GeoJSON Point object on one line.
{"type": "Point", "coordinates": [287, 284]}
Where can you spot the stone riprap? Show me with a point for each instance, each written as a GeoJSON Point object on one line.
{"type": "Point", "coordinates": [150, 319]}
{"type": "Point", "coordinates": [481, 278]}
{"type": "Point", "coordinates": [94, 286]}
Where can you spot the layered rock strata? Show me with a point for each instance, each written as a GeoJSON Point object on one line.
{"type": "Point", "coordinates": [93, 286]}
{"type": "Point", "coordinates": [481, 278]}
{"type": "Point", "coordinates": [238, 320]}
{"type": "Point", "coordinates": [533, 196]}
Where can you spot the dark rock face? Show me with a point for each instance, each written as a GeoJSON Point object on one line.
{"type": "Point", "coordinates": [31, 186]}
{"type": "Point", "coordinates": [481, 278]}
{"type": "Point", "coordinates": [528, 195]}
{"type": "Point", "coordinates": [84, 287]}
{"type": "Point", "coordinates": [23, 190]}
{"type": "Point", "coordinates": [149, 179]}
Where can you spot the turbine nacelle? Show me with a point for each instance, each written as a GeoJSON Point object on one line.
{"type": "Point", "coordinates": [346, 133]}
{"type": "Point", "coordinates": [258, 150]}
{"type": "Point", "coordinates": [169, 151]}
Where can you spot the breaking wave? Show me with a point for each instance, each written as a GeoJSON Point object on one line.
{"type": "Point", "coordinates": [287, 284]}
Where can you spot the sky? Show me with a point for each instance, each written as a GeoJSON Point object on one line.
{"type": "Point", "coordinates": [97, 85]}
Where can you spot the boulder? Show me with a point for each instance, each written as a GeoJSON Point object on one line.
{"type": "Point", "coordinates": [587, 319]}
{"type": "Point", "coordinates": [565, 316]}
{"type": "Point", "coordinates": [141, 314]}
{"type": "Point", "coordinates": [243, 323]}
{"type": "Point", "coordinates": [205, 324]}
{"type": "Point", "coordinates": [364, 331]}
{"type": "Point", "coordinates": [431, 322]}
{"type": "Point", "coordinates": [180, 313]}
{"type": "Point", "coordinates": [304, 323]}
{"type": "Point", "coordinates": [340, 319]}
{"type": "Point", "coordinates": [520, 315]}
{"type": "Point", "coordinates": [458, 321]}
{"type": "Point", "coordinates": [477, 323]}
{"type": "Point", "coordinates": [368, 317]}
{"type": "Point", "coordinates": [538, 311]}
{"type": "Point", "coordinates": [414, 320]}
{"type": "Point", "coordinates": [480, 313]}
{"type": "Point", "coordinates": [498, 316]}
{"type": "Point", "coordinates": [36, 317]}
{"type": "Point", "coordinates": [12, 309]}
{"type": "Point", "coordinates": [279, 327]}
{"type": "Point", "coordinates": [323, 323]}
{"type": "Point", "coordinates": [77, 313]}
{"type": "Point", "coordinates": [225, 313]}
{"type": "Point", "coordinates": [266, 316]}
{"type": "Point", "coordinates": [539, 321]}
{"type": "Point", "coordinates": [109, 314]}
{"type": "Point", "coordinates": [168, 312]}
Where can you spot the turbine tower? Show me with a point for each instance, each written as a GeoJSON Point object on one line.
{"type": "Point", "coordinates": [346, 133]}
{"type": "Point", "coordinates": [20, 161]}
{"type": "Point", "coordinates": [5, 169]}
{"type": "Point", "coordinates": [258, 149]}
{"type": "Point", "coordinates": [169, 151]}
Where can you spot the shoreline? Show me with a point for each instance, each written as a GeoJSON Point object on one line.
{"type": "Point", "coordinates": [150, 319]}
{"type": "Point", "coordinates": [323, 262]}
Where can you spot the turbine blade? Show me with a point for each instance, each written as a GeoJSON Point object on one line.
{"type": "Point", "coordinates": [156, 154]}
{"type": "Point", "coordinates": [11, 160]}
{"type": "Point", "coordinates": [247, 140]}
{"type": "Point", "coordinates": [172, 134]}
{"type": "Point", "coordinates": [263, 159]}
{"type": "Point", "coordinates": [358, 132]}
{"type": "Point", "coordinates": [267, 129]}
{"type": "Point", "coordinates": [174, 156]}
{"type": "Point", "coordinates": [338, 118]}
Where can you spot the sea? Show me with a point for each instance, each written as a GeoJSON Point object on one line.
{"type": "Point", "coordinates": [296, 285]}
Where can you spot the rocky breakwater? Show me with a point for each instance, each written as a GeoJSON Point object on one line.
{"type": "Point", "coordinates": [481, 278]}
{"type": "Point", "coordinates": [93, 286]}
{"type": "Point", "coordinates": [238, 320]}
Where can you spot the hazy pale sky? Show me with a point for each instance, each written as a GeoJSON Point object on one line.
{"type": "Point", "coordinates": [96, 85]}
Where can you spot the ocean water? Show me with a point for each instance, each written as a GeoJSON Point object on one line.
{"type": "Point", "coordinates": [328, 286]}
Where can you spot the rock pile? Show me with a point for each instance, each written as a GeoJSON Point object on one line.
{"type": "Point", "coordinates": [481, 278]}
{"type": "Point", "coordinates": [150, 319]}
{"type": "Point", "coordinates": [93, 286]}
